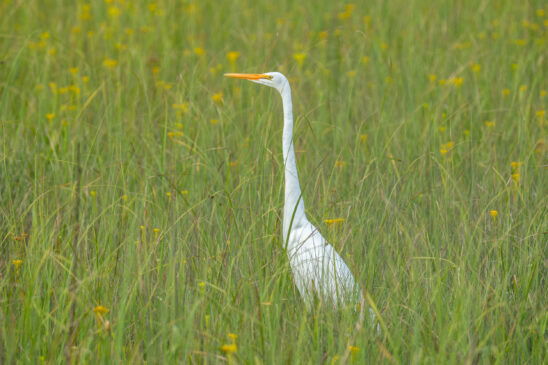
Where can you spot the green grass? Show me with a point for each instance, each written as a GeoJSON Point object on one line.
{"type": "Point", "coordinates": [135, 177]}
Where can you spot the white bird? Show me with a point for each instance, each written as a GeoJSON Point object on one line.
{"type": "Point", "coordinates": [318, 270]}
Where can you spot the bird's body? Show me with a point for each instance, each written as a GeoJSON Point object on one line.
{"type": "Point", "coordinates": [318, 270]}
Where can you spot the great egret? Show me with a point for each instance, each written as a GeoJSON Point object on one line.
{"type": "Point", "coordinates": [318, 270]}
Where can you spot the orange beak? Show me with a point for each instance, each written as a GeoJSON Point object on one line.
{"type": "Point", "coordinates": [249, 76]}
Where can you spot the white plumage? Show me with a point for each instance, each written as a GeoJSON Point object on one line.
{"type": "Point", "coordinates": [318, 270]}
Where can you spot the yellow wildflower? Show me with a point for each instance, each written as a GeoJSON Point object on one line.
{"type": "Point", "coordinates": [365, 60]}
{"type": "Point", "coordinates": [233, 336]}
{"type": "Point", "coordinates": [199, 51]}
{"type": "Point", "coordinates": [214, 121]}
{"type": "Point", "coordinates": [515, 177]}
{"type": "Point", "coordinates": [299, 57]}
{"type": "Point", "coordinates": [351, 73]}
{"type": "Point", "coordinates": [542, 93]}
{"type": "Point", "coordinates": [17, 264]}
{"type": "Point", "coordinates": [50, 116]}
{"type": "Point", "coordinates": [74, 89]}
{"type": "Point", "coordinates": [229, 349]}
{"type": "Point", "coordinates": [100, 310]}
{"type": "Point", "coordinates": [85, 14]}
{"type": "Point", "coordinates": [494, 214]}
{"type": "Point", "coordinates": [523, 88]}
{"type": "Point", "coordinates": [446, 147]}
{"type": "Point", "coordinates": [353, 351]}
{"type": "Point", "coordinates": [73, 70]}
{"type": "Point", "coordinates": [161, 84]}
{"type": "Point", "coordinates": [432, 77]}
{"type": "Point", "coordinates": [540, 12]}
{"type": "Point", "coordinates": [110, 63]}
{"type": "Point", "coordinates": [181, 107]}
{"type": "Point", "coordinates": [218, 97]}
{"type": "Point", "coordinates": [85, 79]}
{"type": "Point", "coordinates": [515, 166]}
{"type": "Point", "coordinates": [489, 124]}
{"type": "Point", "coordinates": [232, 56]}
{"type": "Point", "coordinates": [347, 12]}
{"type": "Point", "coordinates": [334, 220]}
{"type": "Point", "coordinates": [540, 113]}
{"type": "Point", "coordinates": [457, 81]}
{"type": "Point", "coordinates": [506, 92]}
{"type": "Point", "coordinates": [113, 11]}
{"type": "Point", "coordinates": [521, 42]}
{"type": "Point", "coordinates": [539, 147]}
{"type": "Point", "coordinates": [363, 137]}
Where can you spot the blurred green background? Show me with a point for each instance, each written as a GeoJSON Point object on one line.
{"type": "Point", "coordinates": [141, 191]}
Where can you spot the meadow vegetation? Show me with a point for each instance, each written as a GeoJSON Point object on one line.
{"type": "Point", "coordinates": [141, 191]}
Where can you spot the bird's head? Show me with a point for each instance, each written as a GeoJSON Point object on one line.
{"type": "Point", "coordinates": [273, 79]}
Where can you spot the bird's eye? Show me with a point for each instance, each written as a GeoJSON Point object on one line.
{"type": "Point", "coordinates": [269, 77]}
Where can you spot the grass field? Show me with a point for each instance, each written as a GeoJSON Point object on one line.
{"type": "Point", "coordinates": [141, 191]}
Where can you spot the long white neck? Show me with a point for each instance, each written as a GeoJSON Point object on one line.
{"type": "Point", "coordinates": [294, 214]}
